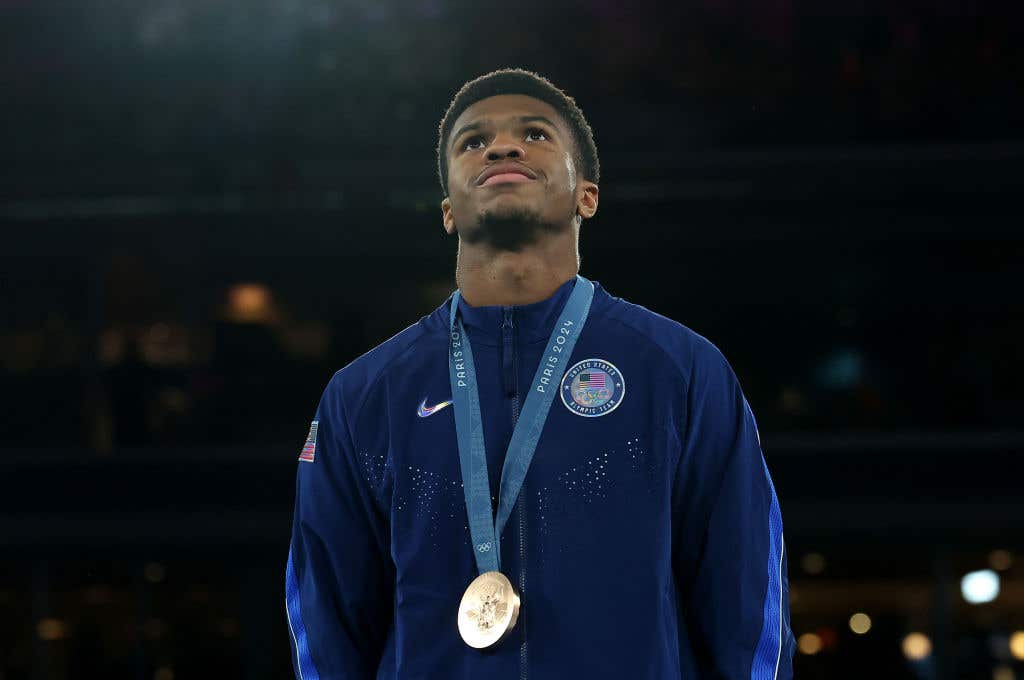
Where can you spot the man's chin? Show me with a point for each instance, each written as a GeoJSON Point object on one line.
{"type": "Point", "coordinates": [510, 227]}
{"type": "Point", "coordinates": [511, 210]}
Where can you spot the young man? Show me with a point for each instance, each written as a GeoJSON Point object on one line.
{"type": "Point", "coordinates": [537, 480]}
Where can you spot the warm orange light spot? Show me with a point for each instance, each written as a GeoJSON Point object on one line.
{"type": "Point", "coordinates": [917, 646]}
{"type": "Point", "coordinates": [809, 644]}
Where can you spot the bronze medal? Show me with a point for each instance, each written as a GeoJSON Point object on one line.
{"type": "Point", "coordinates": [488, 611]}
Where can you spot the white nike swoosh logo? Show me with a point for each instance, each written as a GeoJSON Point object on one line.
{"type": "Point", "coordinates": [423, 411]}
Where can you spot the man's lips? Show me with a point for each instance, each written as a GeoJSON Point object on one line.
{"type": "Point", "coordinates": [505, 172]}
{"type": "Point", "coordinates": [506, 177]}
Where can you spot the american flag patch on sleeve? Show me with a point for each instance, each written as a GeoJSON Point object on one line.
{"type": "Point", "coordinates": [309, 449]}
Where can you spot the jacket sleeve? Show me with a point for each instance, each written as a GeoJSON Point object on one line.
{"type": "Point", "coordinates": [729, 554]}
{"type": "Point", "coordinates": [339, 579]}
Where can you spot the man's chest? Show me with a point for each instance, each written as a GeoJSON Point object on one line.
{"type": "Point", "coordinates": [603, 463]}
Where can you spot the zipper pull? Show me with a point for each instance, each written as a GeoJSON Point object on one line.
{"type": "Point", "coordinates": [507, 359]}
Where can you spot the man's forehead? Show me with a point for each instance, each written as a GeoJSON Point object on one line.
{"type": "Point", "coordinates": [506, 106]}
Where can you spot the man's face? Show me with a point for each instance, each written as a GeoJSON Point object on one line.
{"type": "Point", "coordinates": [510, 161]}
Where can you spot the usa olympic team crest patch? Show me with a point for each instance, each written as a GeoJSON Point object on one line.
{"type": "Point", "coordinates": [593, 387]}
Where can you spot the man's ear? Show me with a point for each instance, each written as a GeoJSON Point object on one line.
{"type": "Point", "coordinates": [447, 218]}
{"type": "Point", "coordinates": [586, 199]}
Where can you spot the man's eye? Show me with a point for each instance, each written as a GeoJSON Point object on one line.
{"type": "Point", "coordinates": [473, 143]}
{"type": "Point", "coordinates": [536, 135]}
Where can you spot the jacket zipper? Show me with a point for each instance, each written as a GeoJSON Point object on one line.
{"type": "Point", "coordinates": [508, 334]}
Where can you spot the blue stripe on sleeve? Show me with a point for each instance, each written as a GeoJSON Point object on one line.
{"type": "Point", "coordinates": [769, 646]}
{"type": "Point", "coordinates": [304, 662]}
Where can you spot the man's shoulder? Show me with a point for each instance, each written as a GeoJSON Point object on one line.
{"type": "Point", "coordinates": [351, 382]}
{"type": "Point", "coordinates": [680, 344]}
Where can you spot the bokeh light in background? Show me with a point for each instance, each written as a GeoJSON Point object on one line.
{"type": "Point", "coordinates": [809, 643]}
{"type": "Point", "coordinates": [979, 587]}
{"type": "Point", "coordinates": [155, 572]}
{"type": "Point", "coordinates": [1017, 645]}
{"type": "Point", "coordinates": [52, 629]}
{"type": "Point", "coordinates": [1003, 673]}
{"type": "Point", "coordinates": [813, 563]}
{"type": "Point", "coordinates": [917, 646]}
{"type": "Point", "coordinates": [250, 303]}
{"type": "Point", "coordinates": [1000, 560]}
{"type": "Point", "coordinates": [860, 623]}
{"type": "Point", "coordinates": [208, 208]}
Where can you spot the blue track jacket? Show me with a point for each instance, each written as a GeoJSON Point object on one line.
{"type": "Point", "coordinates": [646, 542]}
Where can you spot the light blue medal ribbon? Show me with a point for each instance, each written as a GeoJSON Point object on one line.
{"type": "Point", "coordinates": [484, 529]}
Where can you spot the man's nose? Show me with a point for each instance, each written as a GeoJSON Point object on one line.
{"type": "Point", "coordinates": [504, 149]}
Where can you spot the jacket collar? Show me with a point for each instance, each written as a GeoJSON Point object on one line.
{"type": "Point", "coordinates": [530, 323]}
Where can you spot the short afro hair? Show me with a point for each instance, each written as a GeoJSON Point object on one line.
{"type": "Point", "coordinates": [519, 81]}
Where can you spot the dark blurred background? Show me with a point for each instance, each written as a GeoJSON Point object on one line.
{"type": "Point", "coordinates": [209, 206]}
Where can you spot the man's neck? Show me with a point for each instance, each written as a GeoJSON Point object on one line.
{"type": "Point", "coordinates": [499, 277]}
